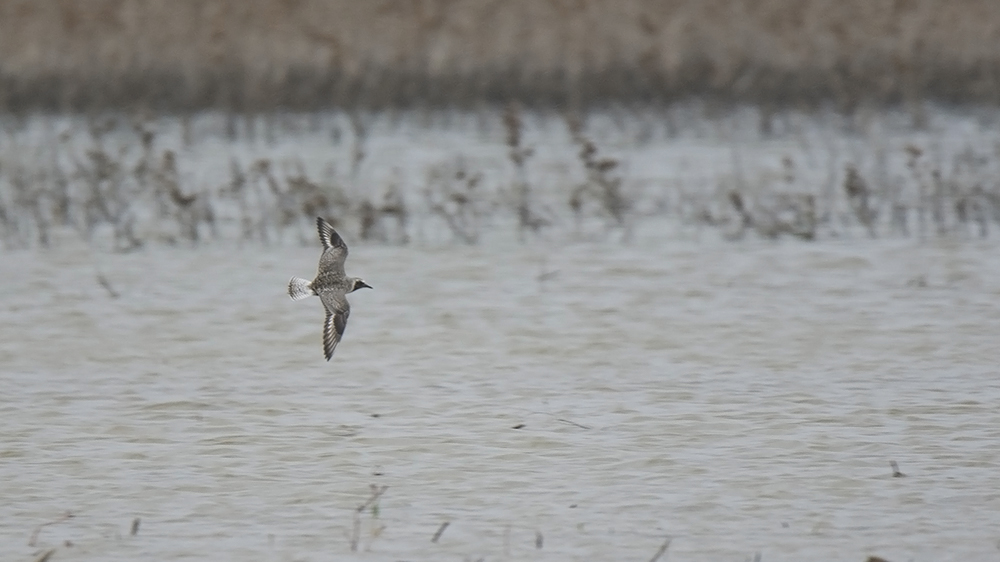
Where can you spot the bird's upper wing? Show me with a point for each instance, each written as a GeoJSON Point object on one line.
{"type": "Point", "coordinates": [337, 312]}
{"type": "Point", "coordinates": [334, 248]}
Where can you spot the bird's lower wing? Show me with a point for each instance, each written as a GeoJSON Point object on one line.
{"type": "Point", "coordinates": [336, 323]}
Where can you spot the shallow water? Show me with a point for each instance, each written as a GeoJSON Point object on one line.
{"type": "Point", "coordinates": [681, 163]}
{"type": "Point", "coordinates": [740, 398]}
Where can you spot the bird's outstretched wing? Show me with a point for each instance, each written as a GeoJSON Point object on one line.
{"type": "Point", "coordinates": [328, 236]}
{"type": "Point", "coordinates": [337, 312]}
{"type": "Point", "coordinates": [334, 248]}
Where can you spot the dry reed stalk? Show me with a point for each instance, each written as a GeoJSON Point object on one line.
{"type": "Point", "coordinates": [453, 195]}
{"type": "Point", "coordinates": [913, 154]}
{"type": "Point", "coordinates": [374, 217]}
{"type": "Point", "coordinates": [361, 128]}
{"type": "Point", "coordinates": [527, 219]}
{"type": "Point", "coordinates": [937, 202]}
{"type": "Point", "coordinates": [736, 200]}
{"type": "Point", "coordinates": [602, 187]}
{"type": "Point", "coordinates": [859, 197]}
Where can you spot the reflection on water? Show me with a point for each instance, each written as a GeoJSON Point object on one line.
{"type": "Point", "coordinates": [740, 398]}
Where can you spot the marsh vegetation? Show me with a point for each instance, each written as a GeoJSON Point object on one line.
{"type": "Point", "coordinates": [519, 394]}
{"type": "Point", "coordinates": [124, 181]}
{"type": "Point", "coordinates": [184, 122]}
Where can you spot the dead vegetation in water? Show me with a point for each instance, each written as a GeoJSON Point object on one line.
{"type": "Point", "coordinates": [454, 194]}
{"type": "Point", "coordinates": [662, 550]}
{"type": "Point", "coordinates": [47, 553]}
{"type": "Point", "coordinates": [529, 219]}
{"type": "Point", "coordinates": [603, 191]}
{"type": "Point", "coordinates": [112, 183]}
{"type": "Point", "coordinates": [118, 185]}
{"type": "Point", "coordinates": [440, 531]}
{"type": "Point", "coordinates": [940, 195]}
{"type": "Point", "coordinates": [375, 526]}
{"type": "Point", "coordinates": [33, 541]}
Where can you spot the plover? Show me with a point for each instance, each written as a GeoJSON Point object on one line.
{"type": "Point", "coordinates": [331, 285]}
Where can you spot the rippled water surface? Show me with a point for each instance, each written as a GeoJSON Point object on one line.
{"type": "Point", "coordinates": [739, 398]}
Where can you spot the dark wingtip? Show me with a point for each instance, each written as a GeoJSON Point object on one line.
{"type": "Point", "coordinates": [328, 235]}
{"type": "Point", "coordinates": [324, 229]}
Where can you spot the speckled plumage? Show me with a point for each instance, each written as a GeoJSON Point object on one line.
{"type": "Point", "coordinates": [331, 285]}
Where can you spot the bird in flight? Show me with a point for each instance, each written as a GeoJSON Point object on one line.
{"type": "Point", "coordinates": [331, 285]}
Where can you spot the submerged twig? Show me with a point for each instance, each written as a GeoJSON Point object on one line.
{"type": "Point", "coordinates": [440, 531]}
{"type": "Point", "coordinates": [34, 534]}
{"type": "Point", "coordinates": [662, 550]}
{"type": "Point", "coordinates": [107, 287]}
{"type": "Point", "coordinates": [571, 422]}
{"type": "Point", "coordinates": [377, 492]}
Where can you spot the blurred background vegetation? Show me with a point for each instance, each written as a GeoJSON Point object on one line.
{"type": "Point", "coordinates": [135, 121]}
{"type": "Point", "coordinates": [255, 55]}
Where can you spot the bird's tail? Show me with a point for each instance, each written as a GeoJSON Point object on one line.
{"type": "Point", "coordinates": [299, 288]}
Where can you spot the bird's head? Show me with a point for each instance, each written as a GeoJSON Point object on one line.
{"type": "Point", "coordinates": [359, 284]}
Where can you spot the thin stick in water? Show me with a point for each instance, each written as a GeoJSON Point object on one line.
{"type": "Point", "coordinates": [377, 492]}
{"type": "Point", "coordinates": [580, 425]}
{"type": "Point", "coordinates": [440, 531]}
{"type": "Point", "coordinates": [34, 534]}
{"type": "Point", "coordinates": [662, 551]}
{"type": "Point", "coordinates": [107, 286]}
{"type": "Point", "coordinates": [355, 531]}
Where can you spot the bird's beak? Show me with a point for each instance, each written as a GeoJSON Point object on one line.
{"type": "Point", "coordinates": [363, 284]}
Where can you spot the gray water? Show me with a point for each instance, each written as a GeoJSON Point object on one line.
{"type": "Point", "coordinates": [738, 398]}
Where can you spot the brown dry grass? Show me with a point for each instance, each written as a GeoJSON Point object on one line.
{"type": "Point", "coordinates": [307, 54]}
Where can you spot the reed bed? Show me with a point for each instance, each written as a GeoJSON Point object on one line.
{"type": "Point", "coordinates": [306, 55]}
{"type": "Point", "coordinates": [121, 183]}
